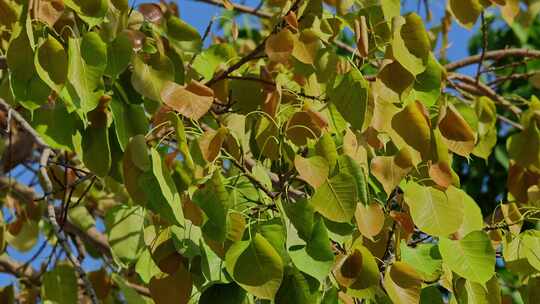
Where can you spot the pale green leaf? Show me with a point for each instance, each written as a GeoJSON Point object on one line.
{"type": "Point", "coordinates": [472, 257]}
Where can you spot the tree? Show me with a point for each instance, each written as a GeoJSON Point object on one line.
{"type": "Point", "coordinates": [286, 160]}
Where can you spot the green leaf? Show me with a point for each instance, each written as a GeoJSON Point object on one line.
{"type": "Point", "coordinates": [226, 293]}
{"type": "Point", "coordinates": [96, 148]}
{"type": "Point", "coordinates": [431, 210]}
{"type": "Point", "coordinates": [431, 295]}
{"type": "Point", "coordinates": [351, 98]}
{"type": "Point", "coordinates": [531, 246]}
{"type": "Point", "coordinates": [265, 274]}
{"type": "Point", "coordinates": [125, 232]}
{"type": "Point", "coordinates": [410, 43]}
{"type": "Point", "coordinates": [51, 63]}
{"type": "Point", "coordinates": [524, 147]}
{"type": "Point", "coordinates": [213, 199]}
{"type": "Point", "coordinates": [209, 60]}
{"type": "Point", "coordinates": [295, 288]}
{"type": "Point", "coordinates": [56, 126]}
{"type": "Point", "coordinates": [27, 87]}
{"type": "Point", "coordinates": [146, 267]}
{"type": "Point", "coordinates": [182, 35]}
{"type": "Point", "coordinates": [80, 216]}
{"type": "Point", "coordinates": [425, 258]}
{"type": "Point", "coordinates": [136, 162]}
{"type": "Point", "coordinates": [427, 86]}
{"type": "Point", "coordinates": [87, 63]}
{"type": "Point", "coordinates": [336, 199]}
{"type": "Point", "coordinates": [119, 53]}
{"type": "Point", "coordinates": [472, 257]}
{"type": "Point", "coordinates": [90, 11]}
{"type": "Point", "coordinates": [160, 190]}
{"type": "Point", "coordinates": [487, 131]}
{"type": "Point", "coordinates": [348, 165]}
{"type": "Point", "coordinates": [326, 147]}
{"type": "Point", "coordinates": [469, 292]}
{"type": "Point", "coordinates": [472, 215]}
{"type": "Point", "coordinates": [149, 77]}
{"type": "Point", "coordinates": [301, 214]}
{"type": "Point", "coordinates": [129, 120]}
{"type": "Point", "coordinates": [60, 285]}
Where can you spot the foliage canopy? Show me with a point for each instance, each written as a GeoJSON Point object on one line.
{"type": "Point", "coordinates": [320, 152]}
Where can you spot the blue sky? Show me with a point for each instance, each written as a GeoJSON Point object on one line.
{"type": "Point", "coordinates": [199, 14]}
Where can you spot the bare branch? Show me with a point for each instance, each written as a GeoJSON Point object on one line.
{"type": "Point", "coordinates": [493, 55]}
{"type": "Point", "coordinates": [47, 187]}
{"type": "Point", "coordinates": [240, 8]}
{"type": "Point", "coordinates": [482, 89]}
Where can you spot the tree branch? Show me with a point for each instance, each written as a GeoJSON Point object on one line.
{"type": "Point", "coordinates": [23, 123]}
{"type": "Point", "coordinates": [492, 55]}
{"type": "Point", "coordinates": [482, 89]}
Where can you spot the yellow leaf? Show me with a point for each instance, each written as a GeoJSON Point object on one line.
{"type": "Point", "coordinates": [313, 170]}
{"type": "Point", "coordinates": [403, 284]}
{"type": "Point", "coordinates": [466, 11]}
{"type": "Point", "coordinates": [413, 126]}
{"type": "Point", "coordinates": [280, 46]}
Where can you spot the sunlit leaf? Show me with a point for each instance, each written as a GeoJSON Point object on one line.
{"type": "Point", "coordinates": [336, 198]}
{"type": "Point", "coordinates": [472, 257]}
{"type": "Point", "coordinates": [432, 211]}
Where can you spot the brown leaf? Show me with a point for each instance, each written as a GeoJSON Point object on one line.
{"type": "Point", "coordinates": [347, 268]}
{"type": "Point", "coordinates": [136, 37]}
{"type": "Point", "coordinates": [192, 101]}
{"type": "Point", "coordinates": [210, 143]}
{"type": "Point", "coordinates": [441, 174]}
{"type": "Point", "coordinates": [151, 12]}
{"type": "Point", "coordinates": [390, 170]}
{"type": "Point", "coordinates": [171, 289]}
{"type": "Point", "coordinates": [404, 219]}
{"type": "Point", "coordinates": [361, 34]}
{"type": "Point", "coordinates": [291, 20]}
{"type": "Point", "coordinates": [272, 101]}
{"type": "Point", "coordinates": [300, 128]}
{"type": "Point", "coordinates": [458, 135]}
{"type": "Point", "coordinates": [370, 219]}
{"type": "Point", "coordinates": [101, 282]}
{"type": "Point", "coordinates": [49, 11]}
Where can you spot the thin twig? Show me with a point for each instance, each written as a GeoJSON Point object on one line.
{"type": "Point", "coordinates": [484, 47]}
{"type": "Point", "coordinates": [47, 187]}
